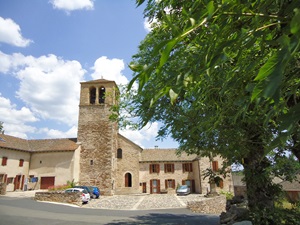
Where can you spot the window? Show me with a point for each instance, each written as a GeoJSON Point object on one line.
{"type": "Point", "coordinates": [128, 180]}
{"type": "Point", "coordinates": [154, 168]}
{"type": "Point", "coordinates": [187, 167]}
{"type": "Point", "coordinates": [215, 166]}
{"type": "Point", "coordinates": [102, 95]}
{"type": "Point", "coordinates": [170, 183]}
{"type": "Point", "coordinates": [119, 153]}
{"type": "Point", "coordinates": [169, 168]}
{"type": "Point", "coordinates": [21, 162]}
{"type": "Point", "coordinates": [10, 180]}
{"type": "Point", "coordinates": [92, 95]}
{"type": "Point", "coordinates": [4, 161]}
{"type": "Point", "coordinates": [91, 162]}
{"type": "Point", "coordinates": [154, 186]}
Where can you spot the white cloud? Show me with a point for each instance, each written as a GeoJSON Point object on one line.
{"type": "Point", "coordinates": [70, 5]}
{"type": "Point", "coordinates": [14, 120]}
{"type": "Point", "coordinates": [110, 69]}
{"type": "Point", "coordinates": [139, 136]}
{"type": "Point", "coordinates": [48, 85]}
{"type": "Point", "coordinates": [10, 33]}
{"type": "Point", "coordinates": [52, 133]}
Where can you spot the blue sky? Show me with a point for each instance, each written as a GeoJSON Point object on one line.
{"type": "Point", "coordinates": [48, 46]}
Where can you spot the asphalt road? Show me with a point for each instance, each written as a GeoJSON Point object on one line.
{"type": "Point", "coordinates": [26, 211]}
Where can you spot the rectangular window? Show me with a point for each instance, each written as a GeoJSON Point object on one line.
{"type": "Point", "coordinates": [169, 168]}
{"type": "Point", "coordinates": [4, 161]}
{"type": "Point", "coordinates": [21, 162]}
{"type": "Point", "coordinates": [119, 153]}
{"type": "Point", "coordinates": [154, 168]}
{"type": "Point", "coordinates": [187, 167]}
{"type": "Point", "coordinates": [10, 180]}
{"type": "Point", "coordinates": [215, 166]}
{"type": "Point", "coordinates": [170, 183]}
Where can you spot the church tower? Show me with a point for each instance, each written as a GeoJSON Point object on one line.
{"type": "Point", "coordinates": [97, 135]}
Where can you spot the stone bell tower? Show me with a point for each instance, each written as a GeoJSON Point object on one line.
{"type": "Point", "coordinates": [97, 135]}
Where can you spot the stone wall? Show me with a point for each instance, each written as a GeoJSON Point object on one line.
{"type": "Point", "coordinates": [70, 198]}
{"type": "Point", "coordinates": [2, 188]}
{"type": "Point", "coordinates": [215, 205]}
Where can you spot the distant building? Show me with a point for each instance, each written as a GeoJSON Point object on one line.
{"type": "Point", "coordinates": [100, 156]}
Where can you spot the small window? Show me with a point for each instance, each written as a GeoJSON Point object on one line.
{"type": "Point", "coordinates": [215, 166]}
{"type": "Point", "coordinates": [169, 168]}
{"type": "Point", "coordinates": [91, 162]}
{"type": "Point", "coordinates": [10, 180]}
{"type": "Point", "coordinates": [4, 161]}
{"type": "Point", "coordinates": [92, 95]}
{"type": "Point", "coordinates": [119, 153]}
{"type": "Point", "coordinates": [154, 168]}
{"type": "Point", "coordinates": [102, 95]}
{"type": "Point", "coordinates": [21, 162]}
{"type": "Point", "coordinates": [170, 183]}
{"type": "Point", "coordinates": [187, 167]}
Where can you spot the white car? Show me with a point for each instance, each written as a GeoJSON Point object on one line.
{"type": "Point", "coordinates": [183, 190]}
{"type": "Point", "coordinates": [85, 196]}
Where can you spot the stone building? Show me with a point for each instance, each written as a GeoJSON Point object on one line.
{"type": "Point", "coordinates": [100, 156]}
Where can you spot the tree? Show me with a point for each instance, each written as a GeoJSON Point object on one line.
{"type": "Point", "coordinates": [222, 76]}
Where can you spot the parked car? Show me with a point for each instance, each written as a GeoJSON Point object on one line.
{"type": "Point", "coordinates": [96, 191]}
{"type": "Point", "coordinates": [85, 195]}
{"type": "Point", "coordinates": [183, 190]}
{"type": "Point", "coordinates": [88, 189]}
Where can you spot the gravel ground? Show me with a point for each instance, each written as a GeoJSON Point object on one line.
{"type": "Point", "coordinates": [142, 202]}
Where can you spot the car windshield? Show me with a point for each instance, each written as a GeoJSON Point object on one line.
{"type": "Point", "coordinates": [183, 187]}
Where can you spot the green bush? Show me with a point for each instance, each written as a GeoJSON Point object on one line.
{"type": "Point", "coordinates": [229, 195]}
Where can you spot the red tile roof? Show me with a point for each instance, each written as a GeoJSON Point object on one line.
{"type": "Point", "coordinates": [40, 145]}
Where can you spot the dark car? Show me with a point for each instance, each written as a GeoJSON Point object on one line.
{"type": "Point", "coordinates": [96, 191]}
{"type": "Point", "coordinates": [88, 189]}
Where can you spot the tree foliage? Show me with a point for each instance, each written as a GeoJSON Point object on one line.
{"type": "Point", "coordinates": [223, 78]}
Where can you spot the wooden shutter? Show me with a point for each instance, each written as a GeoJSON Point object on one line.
{"type": "Point", "coordinates": [183, 167]}
{"type": "Point", "coordinates": [151, 187]}
{"type": "Point", "coordinates": [172, 166]}
{"type": "Point", "coordinates": [221, 184]}
{"type": "Point", "coordinates": [166, 184]}
{"type": "Point", "coordinates": [173, 184]}
{"type": "Point", "coordinates": [183, 182]}
{"type": "Point", "coordinates": [4, 161]}
{"type": "Point", "coordinates": [5, 178]}
{"type": "Point", "coordinates": [21, 162]}
{"type": "Point", "coordinates": [126, 180]}
{"type": "Point", "coordinates": [193, 186]}
{"type": "Point", "coordinates": [215, 166]}
{"type": "Point", "coordinates": [191, 167]}
{"type": "Point", "coordinates": [150, 171]}
{"type": "Point", "coordinates": [157, 168]}
{"type": "Point", "coordinates": [158, 186]}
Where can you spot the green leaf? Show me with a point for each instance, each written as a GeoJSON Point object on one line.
{"type": "Point", "coordinates": [291, 119]}
{"type": "Point", "coordinates": [295, 23]}
{"type": "Point", "coordinates": [173, 96]}
{"type": "Point", "coordinates": [210, 9]}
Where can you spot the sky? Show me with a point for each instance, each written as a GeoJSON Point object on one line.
{"type": "Point", "coordinates": [47, 47]}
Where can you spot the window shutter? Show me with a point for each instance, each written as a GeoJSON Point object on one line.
{"type": "Point", "coordinates": [165, 169]}
{"type": "Point", "coordinates": [150, 171]}
{"type": "Point", "coordinates": [158, 186]}
{"type": "Point", "coordinates": [183, 167]}
{"type": "Point", "coordinates": [5, 178]}
{"type": "Point", "coordinates": [221, 184]}
{"type": "Point", "coordinates": [4, 161]}
{"type": "Point", "coordinates": [172, 166]}
{"type": "Point", "coordinates": [191, 167]}
{"type": "Point", "coordinates": [21, 162]}
{"type": "Point", "coordinates": [193, 186]}
{"type": "Point", "coordinates": [183, 182]}
{"type": "Point", "coordinates": [215, 166]}
{"type": "Point", "coordinates": [157, 168]}
{"type": "Point", "coordinates": [173, 184]}
{"type": "Point", "coordinates": [151, 187]}
{"type": "Point", "coordinates": [166, 184]}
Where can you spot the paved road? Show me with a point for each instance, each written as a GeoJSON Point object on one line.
{"type": "Point", "coordinates": [26, 211]}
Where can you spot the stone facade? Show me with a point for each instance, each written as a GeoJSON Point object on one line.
{"type": "Point", "coordinates": [70, 198]}
{"type": "Point", "coordinates": [215, 205]}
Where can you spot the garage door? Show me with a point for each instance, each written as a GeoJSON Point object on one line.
{"type": "Point", "coordinates": [47, 182]}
